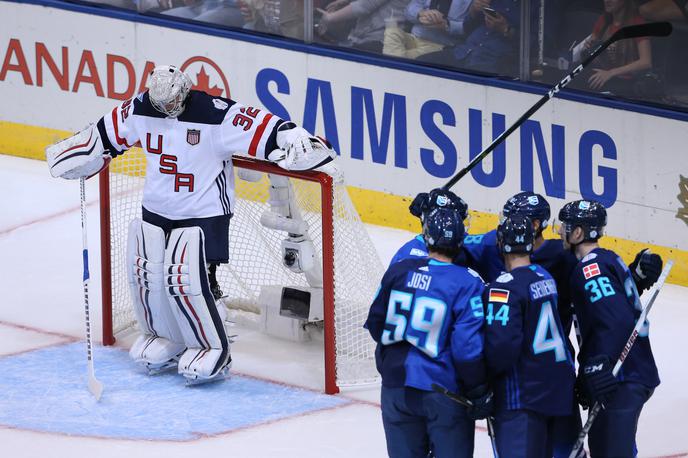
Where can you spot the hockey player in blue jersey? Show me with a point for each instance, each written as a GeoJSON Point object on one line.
{"type": "Point", "coordinates": [530, 367]}
{"type": "Point", "coordinates": [421, 206]}
{"type": "Point", "coordinates": [483, 255]}
{"type": "Point", "coordinates": [427, 320]}
{"type": "Point", "coordinates": [486, 258]}
{"type": "Point", "coordinates": [607, 305]}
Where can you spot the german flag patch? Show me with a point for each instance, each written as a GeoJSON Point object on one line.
{"type": "Point", "coordinates": [499, 295]}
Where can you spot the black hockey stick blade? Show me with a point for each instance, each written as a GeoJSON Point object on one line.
{"type": "Point", "coordinates": [651, 29]}
{"type": "Point", "coordinates": [453, 396]}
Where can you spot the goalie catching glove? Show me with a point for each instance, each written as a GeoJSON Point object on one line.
{"type": "Point", "coordinates": [81, 155]}
{"type": "Point", "coordinates": [299, 150]}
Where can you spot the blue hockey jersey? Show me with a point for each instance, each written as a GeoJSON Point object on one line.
{"type": "Point", "coordinates": [414, 248]}
{"type": "Point", "coordinates": [483, 256]}
{"type": "Point", "coordinates": [525, 348]}
{"type": "Point", "coordinates": [607, 305]}
{"type": "Point", "coordinates": [427, 320]}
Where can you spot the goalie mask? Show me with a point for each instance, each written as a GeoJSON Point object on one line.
{"type": "Point", "coordinates": [168, 89]}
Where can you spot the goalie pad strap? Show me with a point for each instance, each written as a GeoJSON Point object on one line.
{"type": "Point", "coordinates": [187, 286]}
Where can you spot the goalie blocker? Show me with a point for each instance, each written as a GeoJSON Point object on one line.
{"type": "Point", "coordinates": [177, 314]}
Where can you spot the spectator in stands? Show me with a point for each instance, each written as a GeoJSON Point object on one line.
{"type": "Point", "coordinates": [491, 44]}
{"type": "Point", "coordinates": [279, 17]}
{"type": "Point", "coordinates": [222, 12]}
{"type": "Point", "coordinates": [436, 24]}
{"type": "Point", "coordinates": [617, 69]}
{"type": "Point", "coordinates": [665, 10]}
{"type": "Point", "coordinates": [370, 15]}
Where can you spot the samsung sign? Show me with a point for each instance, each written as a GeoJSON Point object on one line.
{"type": "Point", "coordinates": [385, 129]}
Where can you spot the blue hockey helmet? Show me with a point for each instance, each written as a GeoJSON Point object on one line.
{"type": "Point", "coordinates": [515, 234]}
{"type": "Point", "coordinates": [443, 230]}
{"type": "Point", "coordinates": [589, 215]}
{"type": "Point", "coordinates": [424, 203]}
{"type": "Point", "coordinates": [529, 204]}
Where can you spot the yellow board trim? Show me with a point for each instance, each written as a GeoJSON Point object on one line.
{"type": "Point", "coordinates": [375, 207]}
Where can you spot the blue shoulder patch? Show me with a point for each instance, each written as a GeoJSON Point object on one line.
{"type": "Point", "coordinates": [202, 108]}
{"type": "Point", "coordinates": [143, 107]}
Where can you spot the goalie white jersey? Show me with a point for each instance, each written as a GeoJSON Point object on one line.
{"type": "Point", "coordinates": [189, 171]}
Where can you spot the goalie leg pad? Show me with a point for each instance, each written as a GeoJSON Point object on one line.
{"type": "Point", "coordinates": [197, 314]}
{"type": "Point", "coordinates": [161, 341]}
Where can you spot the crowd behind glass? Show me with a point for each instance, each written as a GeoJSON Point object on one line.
{"type": "Point", "coordinates": [534, 40]}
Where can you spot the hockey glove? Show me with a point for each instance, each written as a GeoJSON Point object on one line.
{"type": "Point", "coordinates": [299, 150]}
{"type": "Point", "coordinates": [79, 156]}
{"type": "Point", "coordinates": [482, 399]}
{"type": "Point", "coordinates": [597, 383]}
{"type": "Point", "coordinates": [579, 393]}
{"type": "Point", "coordinates": [645, 269]}
{"type": "Point", "coordinates": [418, 204]}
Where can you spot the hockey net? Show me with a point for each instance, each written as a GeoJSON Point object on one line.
{"type": "Point", "coordinates": [350, 264]}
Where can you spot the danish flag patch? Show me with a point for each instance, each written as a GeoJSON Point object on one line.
{"type": "Point", "coordinates": [591, 270]}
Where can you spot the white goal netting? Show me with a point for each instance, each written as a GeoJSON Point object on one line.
{"type": "Point", "coordinates": [256, 256]}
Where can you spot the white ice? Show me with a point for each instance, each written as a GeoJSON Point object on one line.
{"type": "Point", "coordinates": [42, 306]}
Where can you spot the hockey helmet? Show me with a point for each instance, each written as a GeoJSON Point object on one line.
{"type": "Point", "coordinates": [168, 89]}
{"type": "Point", "coordinates": [589, 215]}
{"type": "Point", "coordinates": [529, 204]}
{"type": "Point", "coordinates": [443, 229]}
{"type": "Point", "coordinates": [515, 234]}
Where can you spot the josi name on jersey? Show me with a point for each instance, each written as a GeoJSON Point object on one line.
{"type": "Point", "coordinates": [418, 280]}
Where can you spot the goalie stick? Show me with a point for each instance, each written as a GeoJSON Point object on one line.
{"type": "Point", "coordinates": [653, 29]}
{"type": "Point", "coordinates": [624, 353]}
{"type": "Point", "coordinates": [467, 403]}
{"type": "Point", "coordinates": [94, 385]}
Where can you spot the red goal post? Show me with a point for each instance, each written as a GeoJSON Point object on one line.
{"type": "Point", "coordinates": [350, 265]}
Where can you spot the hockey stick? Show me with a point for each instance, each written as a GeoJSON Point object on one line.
{"type": "Point", "coordinates": [453, 396]}
{"type": "Point", "coordinates": [624, 353]}
{"type": "Point", "coordinates": [467, 403]}
{"type": "Point", "coordinates": [653, 29]}
{"type": "Point", "coordinates": [94, 385]}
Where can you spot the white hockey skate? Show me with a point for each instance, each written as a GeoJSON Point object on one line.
{"type": "Point", "coordinates": [156, 354]}
{"type": "Point", "coordinates": [193, 380]}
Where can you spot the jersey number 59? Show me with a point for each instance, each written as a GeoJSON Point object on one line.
{"type": "Point", "coordinates": [426, 319]}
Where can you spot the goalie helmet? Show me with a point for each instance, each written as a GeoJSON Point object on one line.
{"type": "Point", "coordinates": [515, 235]}
{"type": "Point", "coordinates": [589, 215]}
{"type": "Point", "coordinates": [168, 89]}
